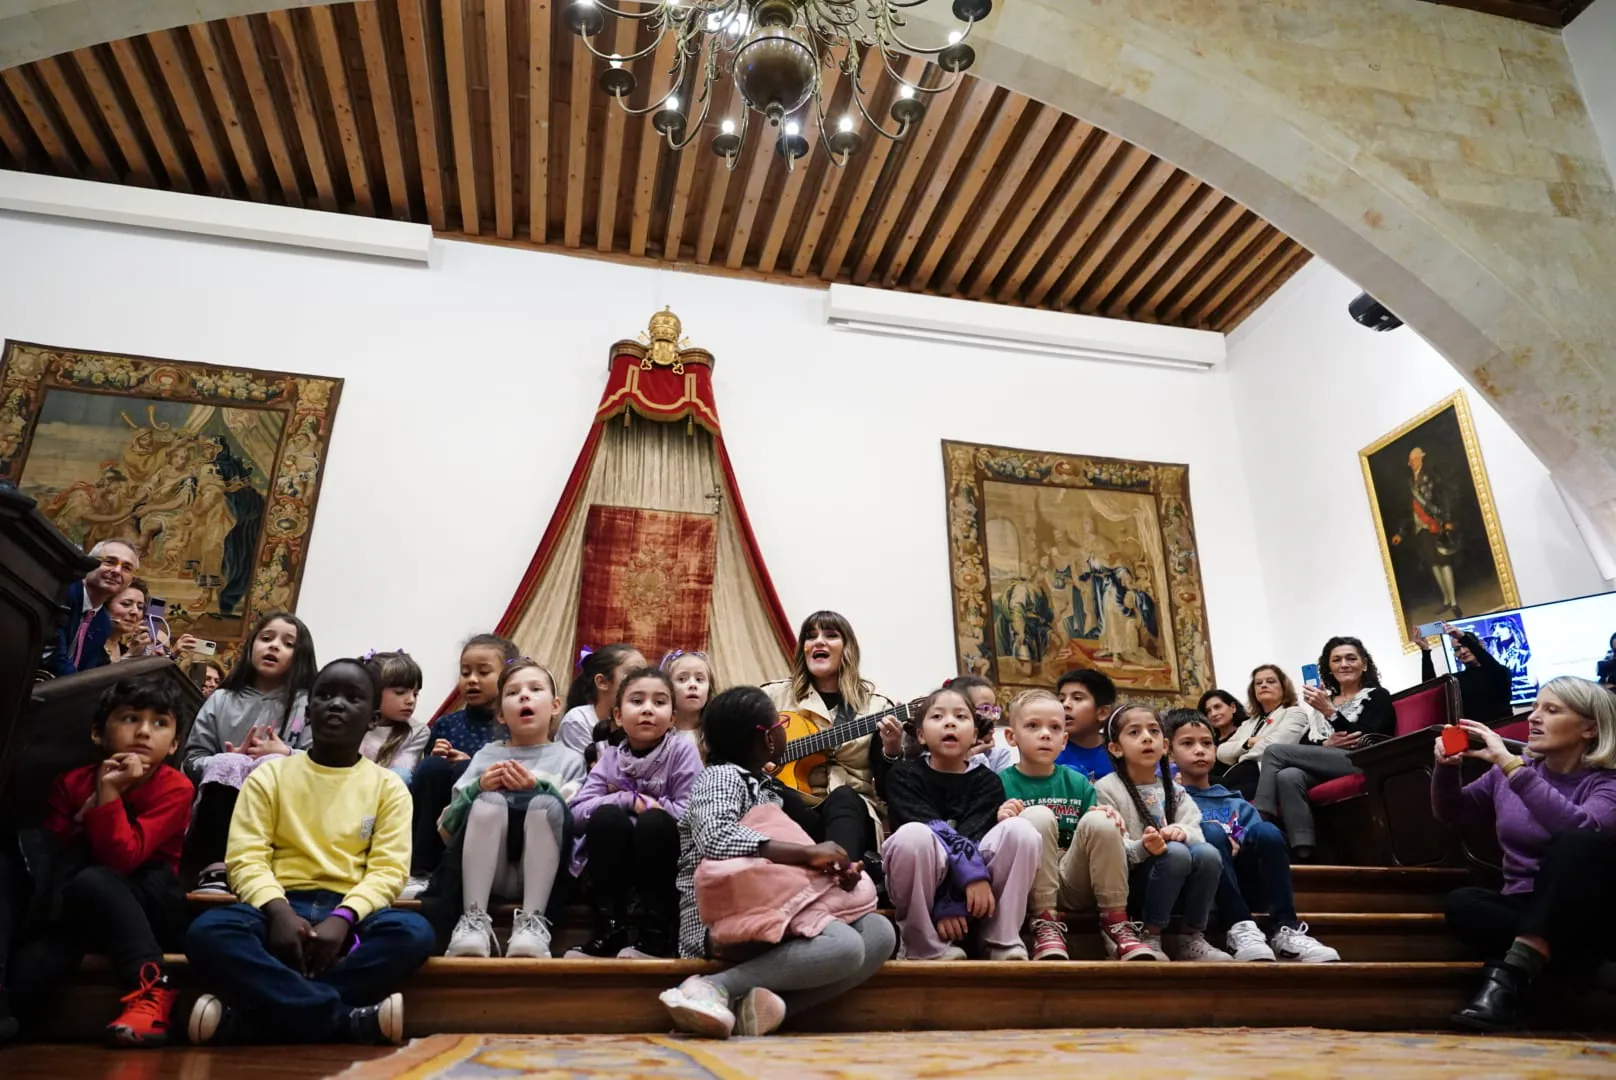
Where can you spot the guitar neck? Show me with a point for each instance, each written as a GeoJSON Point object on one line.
{"type": "Point", "coordinates": [822, 742]}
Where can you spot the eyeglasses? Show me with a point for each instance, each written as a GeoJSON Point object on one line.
{"type": "Point", "coordinates": [779, 722]}
{"type": "Point", "coordinates": [122, 564]}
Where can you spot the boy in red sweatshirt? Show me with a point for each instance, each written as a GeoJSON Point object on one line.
{"type": "Point", "coordinates": [112, 887]}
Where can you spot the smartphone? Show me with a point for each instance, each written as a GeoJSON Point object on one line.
{"type": "Point", "coordinates": [206, 648]}
{"type": "Point", "coordinates": [1427, 631]}
{"type": "Point", "coordinates": [1455, 740]}
{"type": "Point", "coordinates": [1310, 675]}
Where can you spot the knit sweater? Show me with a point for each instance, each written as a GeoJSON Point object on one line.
{"type": "Point", "coordinates": [146, 825]}
{"type": "Point", "coordinates": [468, 729]}
{"type": "Point", "coordinates": [667, 773]}
{"type": "Point", "coordinates": [1114, 793]}
{"type": "Point", "coordinates": [1529, 807]}
{"type": "Point", "coordinates": [228, 715]}
{"type": "Point", "coordinates": [558, 769]}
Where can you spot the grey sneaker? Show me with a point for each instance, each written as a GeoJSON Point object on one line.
{"type": "Point", "coordinates": [474, 935]}
{"type": "Point", "coordinates": [530, 936]}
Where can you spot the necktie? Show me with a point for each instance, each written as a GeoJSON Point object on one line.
{"type": "Point", "coordinates": [78, 642]}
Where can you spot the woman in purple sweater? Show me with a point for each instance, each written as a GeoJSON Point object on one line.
{"type": "Point", "coordinates": [626, 816]}
{"type": "Point", "coordinates": [1555, 811]}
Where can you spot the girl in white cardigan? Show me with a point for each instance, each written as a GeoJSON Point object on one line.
{"type": "Point", "coordinates": [1274, 718]}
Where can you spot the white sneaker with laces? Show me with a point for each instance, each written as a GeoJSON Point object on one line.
{"type": "Point", "coordinates": [473, 935]}
{"type": "Point", "coordinates": [1293, 944]}
{"type": "Point", "coordinates": [1018, 951]}
{"type": "Point", "coordinates": [530, 936]}
{"type": "Point", "coordinates": [701, 1007]}
{"type": "Point", "coordinates": [1195, 949]}
{"type": "Point", "coordinates": [1247, 943]}
{"type": "Point", "coordinates": [414, 887]}
{"type": "Point", "coordinates": [1153, 942]}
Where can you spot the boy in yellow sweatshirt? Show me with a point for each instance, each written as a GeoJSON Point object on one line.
{"type": "Point", "coordinates": [319, 848]}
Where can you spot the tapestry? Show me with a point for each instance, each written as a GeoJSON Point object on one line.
{"type": "Point", "coordinates": [1061, 561]}
{"type": "Point", "coordinates": [1440, 540]}
{"type": "Point", "coordinates": [211, 473]}
{"type": "Point", "coordinates": [647, 578]}
{"type": "Point", "coordinates": [1115, 1054]}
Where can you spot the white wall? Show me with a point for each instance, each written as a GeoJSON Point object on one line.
{"type": "Point", "coordinates": [1590, 41]}
{"type": "Point", "coordinates": [470, 386]}
{"type": "Point", "coordinates": [1312, 388]}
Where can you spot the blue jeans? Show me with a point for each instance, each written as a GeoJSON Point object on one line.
{"type": "Point", "coordinates": [1259, 877]}
{"type": "Point", "coordinates": [1184, 877]}
{"type": "Point", "coordinates": [228, 948]}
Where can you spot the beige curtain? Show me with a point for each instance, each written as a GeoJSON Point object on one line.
{"type": "Point", "coordinates": [655, 466]}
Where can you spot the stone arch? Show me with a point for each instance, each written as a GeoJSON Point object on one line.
{"type": "Point", "coordinates": [1440, 158]}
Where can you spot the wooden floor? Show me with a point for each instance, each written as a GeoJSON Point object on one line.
{"type": "Point", "coordinates": [78, 1062]}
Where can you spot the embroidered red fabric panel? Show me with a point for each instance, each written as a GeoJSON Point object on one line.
{"type": "Point", "coordinates": [647, 579]}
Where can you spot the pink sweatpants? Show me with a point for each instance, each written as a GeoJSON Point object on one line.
{"type": "Point", "coordinates": [915, 864]}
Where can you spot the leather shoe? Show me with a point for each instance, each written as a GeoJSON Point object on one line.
{"type": "Point", "coordinates": [1497, 1006]}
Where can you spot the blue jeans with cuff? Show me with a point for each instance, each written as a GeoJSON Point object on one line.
{"type": "Point", "coordinates": [1183, 877]}
{"type": "Point", "coordinates": [1259, 877]}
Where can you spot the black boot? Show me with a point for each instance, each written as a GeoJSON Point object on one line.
{"type": "Point", "coordinates": [658, 925]}
{"type": "Point", "coordinates": [1499, 1003]}
{"type": "Point", "coordinates": [611, 928]}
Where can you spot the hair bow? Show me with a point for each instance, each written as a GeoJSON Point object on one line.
{"type": "Point", "coordinates": [583, 654]}
{"type": "Point", "coordinates": [369, 654]}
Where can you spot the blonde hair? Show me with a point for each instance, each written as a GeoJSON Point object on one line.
{"type": "Point", "coordinates": [1027, 697]}
{"type": "Point", "coordinates": [855, 690]}
{"type": "Point", "coordinates": [1593, 702]}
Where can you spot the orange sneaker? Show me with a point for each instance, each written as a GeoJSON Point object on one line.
{"type": "Point", "coordinates": [144, 1020]}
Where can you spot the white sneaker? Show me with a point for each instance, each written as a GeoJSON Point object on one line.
{"type": "Point", "coordinates": [1294, 944]}
{"type": "Point", "coordinates": [414, 887]}
{"type": "Point", "coordinates": [473, 935]}
{"type": "Point", "coordinates": [1195, 949]}
{"type": "Point", "coordinates": [1247, 943]}
{"type": "Point", "coordinates": [1018, 951]}
{"type": "Point", "coordinates": [699, 1006]}
{"type": "Point", "coordinates": [1153, 942]}
{"type": "Point", "coordinates": [530, 936]}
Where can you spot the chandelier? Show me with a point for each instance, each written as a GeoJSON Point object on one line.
{"type": "Point", "coordinates": [775, 51]}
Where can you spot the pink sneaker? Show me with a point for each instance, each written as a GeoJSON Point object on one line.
{"type": "Point", "coordinates": [1122, 942]}
{"type": "Point", "coordinates": [1048, 937]}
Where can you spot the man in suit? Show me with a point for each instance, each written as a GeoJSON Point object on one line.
{"type": "Point", "coordinates": [81, 640]}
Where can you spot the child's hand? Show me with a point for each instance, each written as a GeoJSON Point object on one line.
{"type": "Point", "coordinates": [1154, 842]}
{"type": "Point", "coordinates": [848, 879]}
{"type": "Point", "coordinates": [288, 933]}
{"type": "Point", "coordinates": [827, 858]}
{"type": "Point", "coordinates": [1175, 832]}
{"type": "Point", "coordinates": [442, 748]}
{"type": "Point", "coordinates": [270, 743]}
{"type": "Point", "coordinates": [118, 774]}
{"type": "Point", "coordinates": [1234, 847]}
{"type": "Point", "coordinates": [953, 928]}
{"type": "Point", "coordinates": [1110, 812]}
{"type": "Point", "coordinates": [493, 777]}
{"type": "Point", "coordinates": [979, 899]}
{"type": "Point", "coordinates": [518, 778]}
{"type": "Point", "coordinates": [324, 945]}
{"type": "Point", "coordinates": [1010, 808]}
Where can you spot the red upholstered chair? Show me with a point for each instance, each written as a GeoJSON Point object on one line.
{"type": "Point", "coordinates": [1418, 707]}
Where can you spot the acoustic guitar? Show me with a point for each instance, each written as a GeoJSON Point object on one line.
{"type": "Point", "coordinates": [808, 746]}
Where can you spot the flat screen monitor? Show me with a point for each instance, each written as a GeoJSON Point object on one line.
{"type": "Point", "coordinates": [1541, 642]}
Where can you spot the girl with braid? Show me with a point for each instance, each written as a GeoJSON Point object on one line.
{"type": "Point", "coordinates": [1172, 865]}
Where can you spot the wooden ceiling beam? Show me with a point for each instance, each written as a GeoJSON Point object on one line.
{"type": "Point", "coordinates": [979, 278]}
{"type": "Point", "coordinates": [12, 137]}
{"type": "Point", "coordinates": [1226, 219]}
{"type": "Point", "coordinates": [918, 145]}
{"type": "Point", "coordinates": [111, 108]}
{"type": "Point", "coordinates": [785, 204]}
{"type": "Point", "coordinates": [611, 166]}
{"type": "Point", "coordinates": [1229, 274]}
{"type": "Point", "coordinates": [1100, 153]}
{"type": "Point", "coordinates": [1029, 148]}
{"type": "Point", "coordinates": [652, 148]}
{"type": "Point", "coordinates": [961, 131]}
{"type": "Point", "coordinates": [502, 162]}
{"type": "Point", "coordinates": [870, 171]}
{"type": "Point", "coordinates": [283, 35]}
{"type": "Point", "coordinates": [684, 180]}
{"type": "Point", "coordinates": [718, 189]}
{"type": "Point", "coordinates": [1117, 298]}
{"type": "Point", "coordinates": [166, 47]}
{"type": "Point", "coordinates": [1288, 260]}
{"type": "Point", "coordinates": [1193, 292]}
{"type": "Point", "coordinates": [423, 109]}
{"type": "Point", "coordinates": [757, 175]}
{"type": "Point", "coordinates": [224, 100]}
{"type": "Point", "coordinates": [583, 84]}
{"type": "Point", "coordinates": [58, 84]}
{"type": "Point", "coordinates": [983, 162]}
{"type": "Point", "coordinates": [245, 44]}
{"type": "Point", "coordinates": [1096, 209]}
{"type": "Point", "coordinates": [150, 114]}
{"type": "Point", "coordinates": [830, 177]}
{"type": "Point", "coordinates": [340, 95]}
{"type": "Point", "coordinates": [380, 81]}
{"type": "Point", "coordinates": [465, 154]}
{"type": "Point", "coordinates": [57, 143]}
{"type": "Point", "coordinates": [539, 64]}
{"type": "Point", "coordinates": [1102, 246]}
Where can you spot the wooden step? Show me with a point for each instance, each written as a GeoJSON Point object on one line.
{"type": "Point", "coordinates": [1385, 889]}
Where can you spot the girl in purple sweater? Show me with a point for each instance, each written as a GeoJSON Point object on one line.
{"type": "Point", "coordinates": [626, 816]}
{"type": "Point", "coordinates": [1555, 812]}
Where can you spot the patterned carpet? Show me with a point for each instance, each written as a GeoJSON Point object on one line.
{"type": "Point", "coordinates": [1204, 1054]}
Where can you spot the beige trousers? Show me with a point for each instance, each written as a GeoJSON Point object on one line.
{"type": "Point", "coordinates": [1092, 873]}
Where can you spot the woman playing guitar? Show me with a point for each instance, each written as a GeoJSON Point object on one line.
{"type": "Point", "coordinates": [825, 684]}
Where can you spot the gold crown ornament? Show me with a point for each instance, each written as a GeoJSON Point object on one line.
{"type": "Point", "coordinates": [663, 343]}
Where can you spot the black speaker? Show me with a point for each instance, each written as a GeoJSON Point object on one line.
{"type": "Point", "coordinates": [1368, 311]}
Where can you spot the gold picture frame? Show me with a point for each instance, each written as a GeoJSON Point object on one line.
{"type": "Point", "coordinates": [1441, 546]}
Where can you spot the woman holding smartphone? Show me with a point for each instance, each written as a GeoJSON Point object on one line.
{"type": "Point", "coordinates": [1484, 683]}
{"type": "Point", "coordinates": [1357, 710]}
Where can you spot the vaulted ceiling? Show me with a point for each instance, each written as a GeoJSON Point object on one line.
{"type": "Point", "coordinates": [482, 118]}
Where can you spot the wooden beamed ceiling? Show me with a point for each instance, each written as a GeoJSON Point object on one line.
{"type": "Point", "coordinates": [483, 119]}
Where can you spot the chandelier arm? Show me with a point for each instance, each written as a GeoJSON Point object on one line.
{"type": "Point", "coordinates": [647, 51]}
{"type": "Point", "coordinates": [701, 121]}
{"type": "Point", "coordinates": [622, 14]}
{"type": "Point", "coordinates": [673, 88]}
{"type": "Point", "coordinates": [735, 159]}
{"type": "Point", "coordinates": [858, 101]}
{"type": "Point", "coordinates": [896, 38]}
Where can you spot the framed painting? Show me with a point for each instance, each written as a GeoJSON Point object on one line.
{"type": "Point", "coordinates": [1439, 536]}
{"type": "Point", "coordinates": [1060, 561]}
{"type": "Point", "coordinates": [212, 473]}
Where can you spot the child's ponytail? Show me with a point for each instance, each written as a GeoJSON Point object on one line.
{"type": "Point", "coordinates": [601, 661]}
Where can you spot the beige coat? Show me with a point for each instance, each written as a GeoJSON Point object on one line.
{"type": "Point", "coordinates": [849, 765]}
{"type": "Point", "coordinates": [1289, 726]}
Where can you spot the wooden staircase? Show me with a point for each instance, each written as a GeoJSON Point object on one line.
{"type": "Point", "coordinates": [1400, 971]}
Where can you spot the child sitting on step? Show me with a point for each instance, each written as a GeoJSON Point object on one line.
{"type": "Point", "coordinates": [518, 785]}
{"type": "Point", "coordinates": [395, 741]}
{"type": "Point", "coordinates": [1083, 864]}
{"type": "Point", "coordinates": [1172, 864]}
{"type": "Point", "coordinates": [1087, 696]}
{"type": "Point", "coordinates": [594, 691]}
{"type": "Point", "coordinates": [319, 847]}
{"type": "Point", "coordinates": [951, 864]}
{"type": "Point", "coordinates": [110, 884]}
{"type": "Point", "coordinates": [627, 816]}
{"type": "Point", "coordinates": [694, 685]}
{"type": "Point", "coordinates": [1256, 869]}
{"type": "Point", "coordinates": [743, 732]}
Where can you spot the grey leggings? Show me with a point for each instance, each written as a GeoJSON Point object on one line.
{"type": "Point", "coordinates": [1288, 771]}
{"type": "Point", "coordinates": [807, 971]}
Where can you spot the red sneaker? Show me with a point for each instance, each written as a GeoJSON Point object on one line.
{"type": "Point", "coordinates": [144, 1020]}
{"type": "Point", "coordinates": [1122, 941]}
{"type": "Point", "coordinates": [1048, 937]}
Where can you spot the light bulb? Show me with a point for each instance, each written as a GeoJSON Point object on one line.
{"type": "Point", "coordinates": [584, 3]}
{"type": "Point", "coordinates": [846, 123]}
{"type": "Point", "coordinates": [792, 128]}
{"type": "Point", "coordinates": [673, 104]}
{"type": "Point", "coordinates": [714, 22]}
{"type": "Point", "coordinates": [616, 61]}
{"type": "Point", "coordinates": [954, 37]}
{"type": "Point", "coordinates": [906, 91]}
{"type": "Point", "coordinates": [727, 127]}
